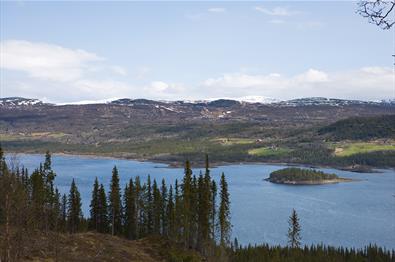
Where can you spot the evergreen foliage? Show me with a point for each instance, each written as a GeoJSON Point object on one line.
{"type": "Point", "coordinates": [294, 229]}
{"type": "Point", "coordinates": [115, 205]}
{"type": "Point", "coordinates": [25, 208]}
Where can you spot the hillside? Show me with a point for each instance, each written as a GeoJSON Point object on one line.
{"type": "Point", "coordinates": [361, 128]}
{"type": "Point", "coordinates": [170, 131]}
{"type": "Point", "coordinates": [92, 246]}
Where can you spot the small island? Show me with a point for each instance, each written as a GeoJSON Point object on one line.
{"type": "Point", "coordinates": [299, 176]}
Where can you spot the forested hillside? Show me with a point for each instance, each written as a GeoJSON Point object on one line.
{"type": "Point", "coordinates": [360, 128]}
{"type": "Point", "coordinates": [297, 131]}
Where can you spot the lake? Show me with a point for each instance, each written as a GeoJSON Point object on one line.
{"type": "Point", "coordinates": [350, 214]}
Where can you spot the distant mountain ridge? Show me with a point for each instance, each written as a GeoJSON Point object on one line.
{"type": "Point", "coordinates": [222, 102]}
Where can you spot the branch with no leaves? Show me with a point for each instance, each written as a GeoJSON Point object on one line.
{"type": "Point", "coordinates": [378, 12]}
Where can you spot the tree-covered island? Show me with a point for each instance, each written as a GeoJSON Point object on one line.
{"type": "Point", "coordinates": [299, 176]}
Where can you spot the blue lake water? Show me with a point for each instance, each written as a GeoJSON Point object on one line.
{"type": "Point", "coordinates": [349, 214]}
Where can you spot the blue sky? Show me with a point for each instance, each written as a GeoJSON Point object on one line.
{"type": "Point", "coordinates": [73, 51]}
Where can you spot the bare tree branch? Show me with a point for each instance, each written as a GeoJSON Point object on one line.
{"type": "Point", "coordinates": [378, 12]}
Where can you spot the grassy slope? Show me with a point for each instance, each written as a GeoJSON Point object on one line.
{"type": "Point", "coordinates": [99, 247]}
{"type": "Point", "coordinates": [348, 149]}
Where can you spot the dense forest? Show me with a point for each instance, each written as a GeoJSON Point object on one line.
{"type": "Point", "coordinates": [356, 128]}
{"type": "Point", "coordinates": [299, 174]}
{"type": "Point", "coordinates": [193, 214]}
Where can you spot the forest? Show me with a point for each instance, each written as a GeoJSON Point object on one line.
{"type": "Point", "coordinates": [299, 174]}
{"type": "Point", "coordinates": [193, 214]}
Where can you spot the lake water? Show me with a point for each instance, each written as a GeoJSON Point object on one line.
{"type": "Point", "coordinates": [349, 214]}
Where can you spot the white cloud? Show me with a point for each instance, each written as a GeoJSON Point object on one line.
{"type": "Point", "coordinates": [59, 74]}
{"type": "Point", "coordinates": [44, 61]}
{"type": "Point", "coordinates": [276, 11]}
{"type": "Point", "coordinates": [369, 83]}
{"type": "Point", "coordinates": [217, 10]}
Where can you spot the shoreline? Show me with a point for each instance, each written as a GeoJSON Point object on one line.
{"type": "Point", "coordinates": [173, 164]}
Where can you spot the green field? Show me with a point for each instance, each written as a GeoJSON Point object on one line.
{"type": "Point", "coordinates": [349, 149]}
{"type": "Point", "coordinates": [233, 141]}
{"type": "Point", "coordinates": [268, 151]}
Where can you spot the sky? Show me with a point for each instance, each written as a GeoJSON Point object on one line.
{"type": "Point", "coordinates": [65, 52]}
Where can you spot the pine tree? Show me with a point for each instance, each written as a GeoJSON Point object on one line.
{"type": "Point", "coordinates": [115, 205]}
{"type": "Point", "coordinates": [74, 212]}
{"type": "Point", "coordinates": [130, 211]}
{"type": "Point", "coordinates": [37, 199]}
{"type": "Point", "coordinates": [156, 208]}
{"type": "Point", "coordinates": [63, 224]}
{"type": "Point", "coordinates": [194, 213]}
{"type": "Point", "coordinates": [224, 213]}
{"type": "Point", "coordinates": [178, 212]}
{"type": "Point", "coordinates": [213, 213]}
{"type": "Point", "coordinates": [203, 212]}
{"type": "Point", "coordinates": [102, 211]}
{"type": "Point", "coordinates": [148, 207]}
{"type": "Point", "coordinates": [170, 215]}
{"type": "Point", "coordinates": [139, 191]}
{"type": "Point", "coordinates": [186, 200]}
{"type": "Point", "coordinates": [294, 230]}
{"type": "Point", "coordinates": [163, 206]}
{"type": "Point", "coordinates": [94, 206]}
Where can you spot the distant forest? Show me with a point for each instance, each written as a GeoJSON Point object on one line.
{"type": "Point", "coordinates": [299, 174]}
{"type": "Point", "coordinates": [361, 128]}
{"type": "Point", "coordinates": [194, 213]}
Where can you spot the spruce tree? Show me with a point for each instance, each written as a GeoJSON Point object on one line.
{"type": "Point", "coordinates": [63, 218]}
{"type": "Point", "coordinates": [130, 211]}
{"type": "Point", "coordinates": [139, 208]}
{"type": "Point", "coordinates": [156, 208]}
{"type": "Point", "coordinates": [294, 230]}
{"type": "Point", "coordinates": [194, 213]}
{"type": "Point", "coordinates": [94, 207]}
{"type": "Point", "coordinates": [74, 212]}
{"type": "Point", "coordinates": [148, 207]}
{"type": "Point", "coordinates": [170, 215]}
{"type": "Point", "coordinates": [213, 213]}
{"type": "Point", "coordinates": [178, 212]}
{"type": "Point", "coordinates": [224, 212]}
{"type": "Point", "coordinates": [163, 206]}
{"type": "Point", "coordinates": [38, 199]}
{"type": "Point", "coordinates": [115, 205]}
{"type": "Point", "coordinates": [186, 200]}
{"type": "Point", "coordinates": [102, 211]}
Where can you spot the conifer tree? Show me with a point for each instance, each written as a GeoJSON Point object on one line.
{"type": "Point", "coordinates": [202, 210]}
{"type": "Point", "coordinates": [94, 207]}
{"type": "Point", "coordinates": [63, 218]}
{"type": "Point", "coordinates": [194, 213]}
{"type": "Point", "coordinates": [213, 213]}
{"type": "Point", "coordinates": [37, 199]}
{"type": "Point", "coordinates": [139, 191]}
{"type": "Point", "coordinates": [294, 230]}
{"type": "Point", "coordinates": [148, 207]}
{"type": "Point", "coordinates": [156, 208]}
{"type": "Point", "coordinates": [170, 215]}
{"type": "Point", "coordinates": [130, 211]}
{"type": "Point", "coordinates": [102, 211]}
{"type": "Point", "coordinates": [186, 200]}
{"type": "Point", "coordinates": [115, 205]}
{"type": "Point", "coordinates": [163, 206]}
{"type": "Point", "coordinates": [178, 212]}
{"type": "Point", "coordinates": [74, 212]}
{"type": "Point", "coordinates": [224, 212]}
